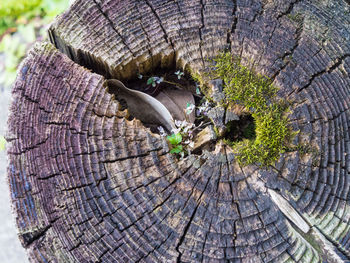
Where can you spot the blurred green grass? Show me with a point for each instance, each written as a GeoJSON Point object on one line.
{"type": "Point", "coordinates": [22, 22]}
{"type": "Point", "coordinates": [15, 12]}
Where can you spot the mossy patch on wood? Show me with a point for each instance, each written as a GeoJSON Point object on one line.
{"type": "Point", "coordinates": [258, 96]}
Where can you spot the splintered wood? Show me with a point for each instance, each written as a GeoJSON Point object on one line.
{"type": "Point", "coordinates": [89, 185]}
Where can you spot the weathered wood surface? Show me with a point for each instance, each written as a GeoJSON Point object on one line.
{"type": "Point", "coordinates": [90, 186]}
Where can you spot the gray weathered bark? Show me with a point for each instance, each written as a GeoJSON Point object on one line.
{"type": "Point", "coordinates": [88, 185]}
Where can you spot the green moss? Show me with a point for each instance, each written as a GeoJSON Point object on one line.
{"type": "Point", "coordinates": [257, 95]}
{"type": "Point", "coordinates": [196, 76]}
{"type": "Point", "coordinates": [202, 79]}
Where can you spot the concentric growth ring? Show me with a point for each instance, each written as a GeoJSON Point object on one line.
{"type": "Point", "coordinates": [89, 185]}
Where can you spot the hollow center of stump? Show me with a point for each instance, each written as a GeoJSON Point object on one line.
{"type": "Point", "coordinates": [238, 130]}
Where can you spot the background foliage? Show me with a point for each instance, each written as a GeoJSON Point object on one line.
{"type": "Point", "coordinates": [22, 22]}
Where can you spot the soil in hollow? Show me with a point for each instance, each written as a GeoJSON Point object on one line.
{"type": "Point", "coordinates": [244, 128]}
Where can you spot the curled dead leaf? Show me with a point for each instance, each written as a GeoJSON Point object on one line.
{"type": "Point", "coordinates": [176, 102]}
{"type": "Point", "coordinates": [142, 106]}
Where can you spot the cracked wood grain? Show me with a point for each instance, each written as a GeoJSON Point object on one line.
{"type": "Point", "coordinates": [89, 185]}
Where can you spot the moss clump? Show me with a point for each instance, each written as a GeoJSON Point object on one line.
{"type": "Point", "coordinates": [258, 97]}
{"type": "Point", "coordinates": [200, 79]}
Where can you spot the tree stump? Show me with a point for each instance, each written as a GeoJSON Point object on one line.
{"type": "Point", "coordinates": [90, 185]}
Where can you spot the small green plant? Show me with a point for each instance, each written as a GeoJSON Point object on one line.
{"type": "Point", "coordinates": [181, 137]}
{"type": "Point", "coordinates": [189, 108]}
{"type": "Point", "coordinates": [175, 140]}
{"type": "Point", "coordinates": [198, 90]}
{"type": "Point", "coordinates": [179, 74]}
{"type": "Point", "coordinates": [257, 95]}
{"type": "Point", "coordinates": [154, 81]}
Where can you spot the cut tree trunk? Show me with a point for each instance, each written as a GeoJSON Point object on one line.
{"type": "Point", "coordinates": [90, 185]}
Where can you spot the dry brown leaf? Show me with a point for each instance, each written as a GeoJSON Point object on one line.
{"type": "Point", "coordinates": [142, 106]}
{"type": "Point", "coordinates": [176, 102]}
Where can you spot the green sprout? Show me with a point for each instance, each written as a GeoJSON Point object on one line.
{"type": "Point", "coordinates": [198, 90]}
{"type": "Point", "coordinates": [175, 140]}
{"type": "Point", "coordinates": [179, 74]}
{"type": "Point", "coordinates": [189, 108]}
{"type": "Point", "coordinates": [154, 81]}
